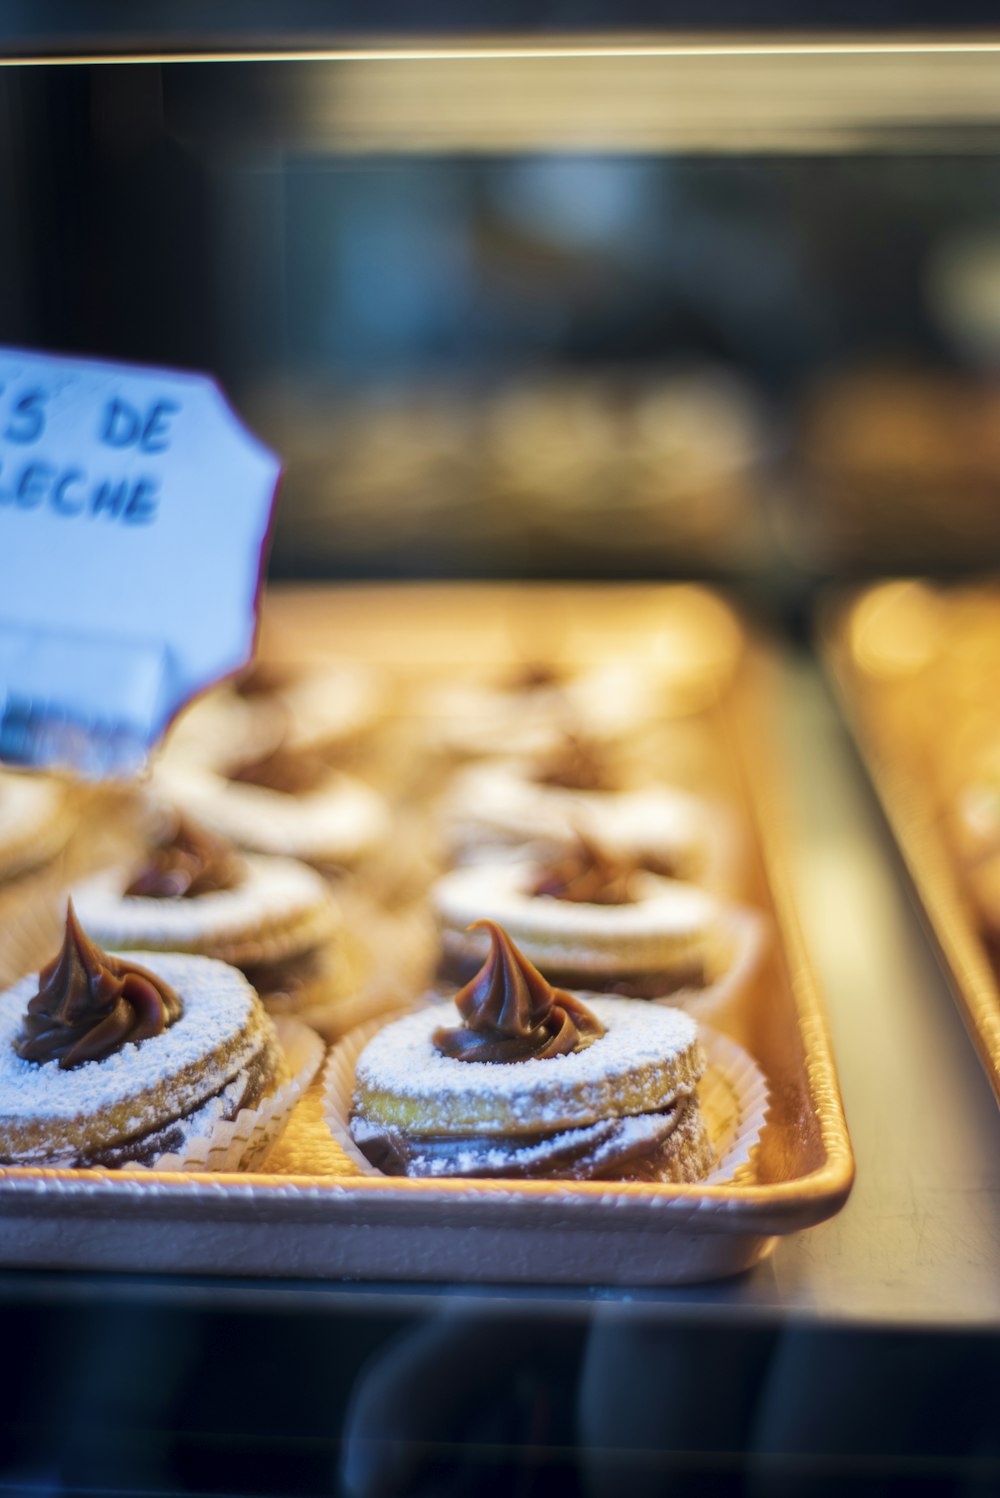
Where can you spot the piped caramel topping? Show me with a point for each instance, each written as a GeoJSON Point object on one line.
{"type": "Point", "coordinates": [189, 863]}
{"type": "Point", "coordinates": [512, 1014]}
{"type": "Point", "coordinates": [263, 678]}
{"type": "Point", "coordinates": [576, 766]}
{"type": "Point", "coordinates": [660, 864]}
{"type": "Point", "coordinates": [289, 771]}
{"type": "Point", "coordinates": [90, 1004]}
{"type": "Point", "coordinates": [586, 875]}
{"type": "Point", "coordinates": [535, 676]}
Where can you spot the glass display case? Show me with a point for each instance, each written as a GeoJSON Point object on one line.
{"type": "Point", "coordinates": [523, 308]}
{"type": "Point", "coordinates": [646, 300]}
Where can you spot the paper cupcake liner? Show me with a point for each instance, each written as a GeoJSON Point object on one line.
{"type": "Point", "coordinates": [338, 1088]}
{"type": "Point", "coordinates": [744, 938]}
{"type": "Point", "coordinates": [733, 1094]}
{"type": "Point", "coordinates": [735, 1101]}
{"type": "Point", "coordinates": [243, 1143]}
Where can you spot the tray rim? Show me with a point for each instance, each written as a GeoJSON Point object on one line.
{"type": "Point", "coordinates": [755, 1209]}
{"type": "Point", "coordinates": [929, 867]}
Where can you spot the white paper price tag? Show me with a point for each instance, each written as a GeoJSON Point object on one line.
{"type": "Point", "coordinates": [134, 514]}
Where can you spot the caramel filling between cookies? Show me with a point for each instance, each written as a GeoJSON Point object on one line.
{"type": "Point", "coordinates": [629, 1148]}
{"type": "Point", "coordinates": [245, 1090]}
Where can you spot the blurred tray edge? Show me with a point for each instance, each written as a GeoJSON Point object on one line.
{"type": "Point", "coordinates": [925, 858]}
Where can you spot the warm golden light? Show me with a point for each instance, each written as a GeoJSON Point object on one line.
{"type": "Point", "coordinates": [896, 630]}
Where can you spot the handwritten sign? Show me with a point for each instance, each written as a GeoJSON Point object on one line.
{"type": "Point", "coordinates": [134, 513]}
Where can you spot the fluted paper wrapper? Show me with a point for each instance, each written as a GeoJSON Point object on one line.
{"type": "Point", "coordinates": [243, 1143]}
{"type": "Point", "coordinates": [733, 962]}
{"type": "Point", "coordinates": [734, 1100]}
{"type": "Point", "coordinates": [733, 1094]}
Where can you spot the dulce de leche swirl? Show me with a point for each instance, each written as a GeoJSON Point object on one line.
{"type": "Point", "coordinates": [512, 1014]}
{"type": "Point", "coordinates": [292, 772]}
{"type": "Point", "coordinates": [90, 1004]}
{"type": "Point", "coordinates": [586, 875]}
{"type": "Point", "coordinates": [576, 765]}
{"type": "Point", "coordinates": [191, 862]}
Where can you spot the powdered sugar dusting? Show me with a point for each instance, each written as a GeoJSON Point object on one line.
{"type": "Point", "coordinates": [275, 892]}
{"type": "Point", "coordinates": [666, 918]}
{"type": "Point", "coordinates": [499, 797]}
{"type": "Point", "coordinates": [341, 821]}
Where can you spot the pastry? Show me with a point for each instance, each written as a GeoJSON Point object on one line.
{"type": "Point", "coordinates": [33, 823]}
{"type": "Point", "coordinates": [322, 710]}
{"type": "Point", "coordinates": [589, 922]}
{"type": "Point", "coordinates": [325, 709]}
{"type": "Point", "coordinates": [534, 707]}
{"type": "Point", "coordinates": [110, 1060]}
{"type": "Point", "coordinates": [501, 804]}
{"type": "Point", "coordinates": [220, 722]}
{"type": "Point", "coordinates": [285, 802]}
{"type": "Point", "coordinates": [272, 917]}
{"type": "Point", "coordinates": [468, 719]}
{"type": "Point", "coordinates": [898, 465]}
{"type": "Point", "coordinates": [195, 893]}
{"type": "Point", "coordinates": [517, 1078]}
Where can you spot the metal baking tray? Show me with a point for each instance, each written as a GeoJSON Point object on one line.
{"type": "Point", "coordinates": [310, 1215]}
{"type": "Point", "coordinates": [893, 652]}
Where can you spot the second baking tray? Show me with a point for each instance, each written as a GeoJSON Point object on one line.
{"type": "Point", "coordinates": [312, 1215]}
{"type": "Point", "coordinates": [889, 651]}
